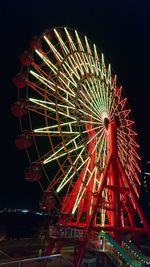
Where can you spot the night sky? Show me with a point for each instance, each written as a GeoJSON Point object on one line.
{"type": "Point", "coordinates": [121, 30]}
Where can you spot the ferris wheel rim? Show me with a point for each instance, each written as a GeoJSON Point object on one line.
{"type": "Point", "coordinates": [58, 108]}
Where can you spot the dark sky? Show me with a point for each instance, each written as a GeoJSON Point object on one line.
{"type": "Point", "coordinates": [121, 30]}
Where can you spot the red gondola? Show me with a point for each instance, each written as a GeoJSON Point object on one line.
{"type": "Point", "coordinates": [35, 43]}
{"type": "Point", "coordinates": [20, 80]}
{"type": "Point", "coordinates": [48, 201]}
{"type": "Point", "coordinates": [24, 140]}
{"type": "Point", "coordinates": [26, 58]}
{"type": "Point", "coordinates": [19, 108]}
{"type": "Point", "coordinates": [33, 173]}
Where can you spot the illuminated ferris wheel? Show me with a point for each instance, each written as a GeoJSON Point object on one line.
{"type": "Point", "coordinates": [78, 131]}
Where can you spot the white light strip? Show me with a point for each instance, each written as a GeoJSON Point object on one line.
{"type": "Point", "coordinates": [54, 155]}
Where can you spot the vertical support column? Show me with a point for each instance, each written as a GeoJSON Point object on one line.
{"type": "Point", "coordinates": [114, 175]}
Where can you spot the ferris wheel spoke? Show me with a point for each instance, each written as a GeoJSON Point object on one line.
{"type": "Point", "coordinates": [88, 59]}
{"type": "Point", "coordinates": [63, 82]}
{"type": "Point", "coordinates": [70, 65]}
{"type": "Point", "coordinates": [91, 112]}
{"type": "Point", "coordinates": [81, 111]}
{"type": "Point", "coordinates": [62, 79]}
{"type": "Point", "coordinates": [100, 97]}
{"type": "Point", "coordinates": [56, 133]}
{"type": "Point", "coordinates": [132, 182]}
{"type": "Point", "coordinates": [73, 58]}
{"type": "Point", "coordinates": [109, 75]}
{"type": "Point", "coordinates": [97, 92]}
{"type": "Point", "coordinates": [82, 63]}
{"type": "Point", "coordinates": [122, 142]}
{"type": "Point", "coordinates": [95, 67]}
{"type": "Point", "coordinates": [100, 134]}
{"type": "Point", "coordinates": [103, 73]}
{"type": "Point", "coordinates": [70, 58]}
{"type": "Point", "coordinates": [81, 53]}
{"type": "Point", "coordinates": [43, 104]}
{"type": "Point", "coordinates": [58, 56]}
{"type": "Point", "coordinates": [117, 91]}
{"type": "Point", "coordinates": [122, 136]}
{"type": "Point", "coordinates": [102, 93]}
{"type": "Point", "coordinates": [88, 56]}
{"type": "Point", "coordinates": [133, 152]}
{"type": "Point", "coordinates": [125, 112]}
{"type": "Point", "coordinates": [133, 161]}
{"type": "Point", "coordinates": [78, 198]}
{"type": "Point", "coordinates": [84, 187]}
{"type": "Point", "coordinates": [89, 53]}
{"type": "Point", "coordinates": [57, 156]}
{"type": "Point", "coordinates": [129, 146]}
{"type": "Point", "coordinates": [133, 143]}
{"type": "Point", "coordinates": [71, 171]}
{"type": "Point", "coordinates": [47, 61]}
{"type": "Point", "coordinates": [39, 90]}
{"type": "Point", "coordinates": [90, 102]}
{"type": "Point", "coordinates": [93, 92]}
{"type": "Point", "coordinates": [49, 85]}
{"type": "Point", "coordinates": [79, 42]}
{"type": "Point", "coordinates": [63, 45]}
{"type": "Point", "coordinates": [67, 52]}
{"type": "Point", "coordinates": [60, 152]}
{"type": "Point", "coordinates": [67, 103]}
{"type": "Point", "coordinates": [95, 53]}
{"type": "Point", "coordinates": [71, 43]}
{"type": "Point", "coordinates": [67, 77]}
{"type": "Point", "coordinates": [134, 174]}
{"type": "Point", "coordinates": [114, 109]}
{"type": "Point", "coordinates": [110, 100]}
{"type": "Point", "coordinates": [110, 87]}
{"type": "Point", "coordinates": [43, 80]}
{"type": "Point", "coordinates": [122, 149]}
{"type": "Point", "coordinates": [101, 143]}
{"type": "Point", "coordinates": [50, 130]}
{"type": "Point", "coordinates": [91, 139]}
{"type": "Point", "coordinates": [71, 70]}
{"type": "Point", "coordinates": [40, 111]}
{"type": "Point", "coordinates": [121, 104]}
{"type": "Point", "coordinates": [46, 105]}
{"type": "Point", "coordinates": [106, 90]}
{"type": "Point", "coordinates": [97, 59]}
{"type": "Point", "coordinates": [86, 64]}
{"type": "Point", "coordinates": [39, 68]}
{"type": "Point", "coordinates": [89, 98]}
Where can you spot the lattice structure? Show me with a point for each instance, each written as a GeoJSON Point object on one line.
{"type": "Point", "coordinates": [77, 127]}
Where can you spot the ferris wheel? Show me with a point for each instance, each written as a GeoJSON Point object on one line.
{"type": "Point", "coordinates": [73, 118]}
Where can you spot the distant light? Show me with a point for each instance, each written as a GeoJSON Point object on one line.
{"type": "Point", "coordinates": [147, 173]}
{"type": "Point", "coordinates": [38, 213]}
{"type": "Point", "coordinates": [24, 210]}
{"type": "Point", "coordinates": [148, 162]}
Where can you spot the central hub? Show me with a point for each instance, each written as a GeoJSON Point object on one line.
{"type": "Point", "coordinates": [105, 118]}
{"type": "Point", "coordinates": [106, 122]}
